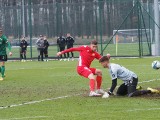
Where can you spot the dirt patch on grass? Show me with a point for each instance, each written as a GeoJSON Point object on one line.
{"type": "Point", "coordinates": [152, 96]}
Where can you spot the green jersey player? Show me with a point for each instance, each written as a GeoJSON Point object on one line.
{"type": "Point", "coordinates": [3, 53]}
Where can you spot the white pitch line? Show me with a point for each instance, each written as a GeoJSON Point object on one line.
{"type": "Point", "coordinates": [34, 117]}
{"type": "Point", "coordinates": [38, 101]}
{"type": "Point", "coordinates": [143, 109]}
{"type": "Point", "coordinates": [146, 81]}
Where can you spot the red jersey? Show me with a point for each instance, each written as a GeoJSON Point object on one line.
{"type": "Point", "coordinates": [86, 55]}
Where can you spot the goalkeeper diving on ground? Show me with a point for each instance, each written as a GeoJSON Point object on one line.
{"type": "Point", "coordinates": [129, 78]}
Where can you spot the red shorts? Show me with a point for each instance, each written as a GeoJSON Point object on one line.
{"type": "Point", "coordinates": [85, 71]}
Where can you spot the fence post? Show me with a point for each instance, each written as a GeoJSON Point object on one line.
{"type": "Point", "coordinates": [100, 24]}
{"type": "Point", "coordinates": [30, 26]}
{"type": "Point", "coordinates": [139, 27]}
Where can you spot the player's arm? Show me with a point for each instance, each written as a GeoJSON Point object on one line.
{"type": "Point", "coordinates": [8, 45]}
{"type": "Point", "coordinates": [114, 84]}
{"type": "Point", "coordinates": [113, 73]}
{"type": "Point", "coordinates": [70, 50]}
{"type": "Point", "coordinates": [98, 56]}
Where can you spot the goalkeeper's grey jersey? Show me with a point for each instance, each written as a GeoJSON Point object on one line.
{"type": "Point", "coordinates": [120, 72]}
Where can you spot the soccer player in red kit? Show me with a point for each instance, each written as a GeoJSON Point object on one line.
{"type": "Point", "coordinates": [87, 55]}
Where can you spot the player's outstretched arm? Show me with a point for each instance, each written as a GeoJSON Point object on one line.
{"type": "Point", "coordinates": [70, 50]}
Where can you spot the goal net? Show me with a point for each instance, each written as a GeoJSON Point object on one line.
{"type": "Point", "coordinates": [130, 37]}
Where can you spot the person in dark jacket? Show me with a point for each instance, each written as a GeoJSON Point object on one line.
{"type": "Point", "coordinates": [69, 42]}
{"type": "Point", "coordinates": [61, 42]}
{"type": "Point", "coordinates": [46, 45]}
{"type": "Point", "coordinates": [23, 49]}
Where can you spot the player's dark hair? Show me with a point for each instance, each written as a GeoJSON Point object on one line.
{"type": "Point", "coordinates": [94, 42]}
{"type": "Point", "coordinates": [103, 59]}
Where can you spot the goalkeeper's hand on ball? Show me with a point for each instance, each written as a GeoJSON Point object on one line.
{"type": "Point", "coordinates": [105, 95]}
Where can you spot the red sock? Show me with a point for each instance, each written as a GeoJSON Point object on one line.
{"type": "Point", "coordinates": [99, 81]}
{"type": "Point", "coordinates": [92, 84]}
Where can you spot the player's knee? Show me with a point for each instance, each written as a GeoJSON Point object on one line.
{"type": "Point", "coordinates": [98, 72]}
{"type": "Point", "coordinates": [91, 76]}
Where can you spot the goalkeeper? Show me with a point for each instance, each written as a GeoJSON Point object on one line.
{"type": "Point", "coordinates": [3, 53]}
{"type": "Point", "coordinates": [130, 80]}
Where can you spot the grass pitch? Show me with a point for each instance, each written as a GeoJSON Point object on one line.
{"type": "Point", "coordinates": [54, 91]}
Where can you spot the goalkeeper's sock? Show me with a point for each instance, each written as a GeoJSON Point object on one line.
{"type": "Point", "coordinates": [92, 84]}
{"type": "Point", "coordinates": [3, 71]}
{"type": "Point", "coordinates": [99, 81]}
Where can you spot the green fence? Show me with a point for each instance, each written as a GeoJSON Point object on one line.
{"type": "Point", "coordinates": [85, 21]}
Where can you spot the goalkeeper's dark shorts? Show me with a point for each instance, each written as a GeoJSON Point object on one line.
{"type": "Point", "coordinates": [3, 58]}
{"type": "Point", "coordinates": [129, 88]}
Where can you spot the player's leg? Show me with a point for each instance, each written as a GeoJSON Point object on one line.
{"type": "Point", "coordinates": [3, 58]}
{"type": "Point", "coordinates": [132, 84]}
{"type": "Point", "coordinates": [122, 90]}
{"type": "Point", "coordinates": [38, 50]}
{"type": "Point", "coordinates": [64, 53]}
{"type": "Point", "coordinates": [72, 54]}
{"type": "Point", "coordinates": [41, 53]}
{"type": "Point", "coordinates": [139, 93]}
{"type": "Point", "coordinates": [24, 54]}
{"type": "Point", "coordinates": [98, 74]}
{"type": "Point", "coordinates": [132, 89]}
{"type": "Point", "coordinates": [2, 70]}
{"type": "Point", "coordinates": [61, 49]}
{"type": "Point", "coordinates": [87, 73]}
{"type": "Point", "coordinates": [21, 54]}
{"type": "Point", "coordinates": [68, 54]}
{"type": "Point", "coordinates": [46, 54]}
{"type": "Point", "coordinates": [1, 78]}
{"type": "Point", "coordinates": [92, 86]}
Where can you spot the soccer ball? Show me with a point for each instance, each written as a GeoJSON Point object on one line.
{"type": "Point", "coordinates": [156, 64]}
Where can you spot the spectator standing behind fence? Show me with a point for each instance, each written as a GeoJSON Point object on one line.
{"type": "Point", "coordinates": [46, 45]}
{"type": "Point", "coordinates": [61, 42]}
{"type": "Point", "coordinates": [69, 42]}
{"type": "Point", "coordinates": [40, 47]}
{"type": "Point", "coordinates": [23, 49]}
